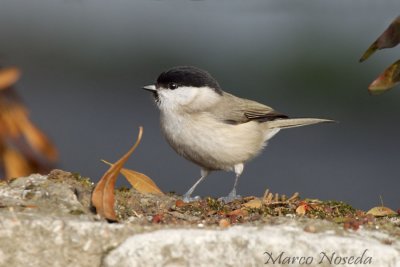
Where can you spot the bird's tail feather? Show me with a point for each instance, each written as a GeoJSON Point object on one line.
{"type": "Point", "coordinates": [291, 123]}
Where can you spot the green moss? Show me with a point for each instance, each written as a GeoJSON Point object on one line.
{"type": "Point", "coordinates": [273, 210]}
{"type": "Point", "coordinates": [215, 204]}
{"type": "Point", "coordinates": [342, 206]}
{"type": "Point", "coordinates": [85, 181]}
{"type": "Point", "coordinates": [331, 209]}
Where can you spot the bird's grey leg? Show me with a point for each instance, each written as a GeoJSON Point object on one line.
{"type": "Point", "coordinates": [187, 196]}
{"type": "Point", "coordinates": [238, 168]}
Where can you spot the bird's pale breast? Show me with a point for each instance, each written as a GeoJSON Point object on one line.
{"type": "Point", "coordinates": [210, 143]}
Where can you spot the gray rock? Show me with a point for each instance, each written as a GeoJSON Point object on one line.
{"type": "Point", "coordinates": [45, 221]}
{"type": "Point", "coordinates": [248, 246]}
{"type": "Point", "coordinates": [41, 195]}
{"type": "Point", "coordinates": [34, 240]}
{"type": "Point", "coordinates": [43, 224]}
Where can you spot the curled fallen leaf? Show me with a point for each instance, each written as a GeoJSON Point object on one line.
{"type": "Point", "coordinates": [386, 80]}
{"type": "Point", "coordinates": [32, 151]}
{"type": "Point", "coordinates": [389, 38]}
{"type": "Point", "coordinates": [180, 203]}
{"type": "Point", "coordinates": [254, 204]}
{"type": "Point", "coordinates": [302, 208]}
{"type": "Point", "coordinates": [238, 212]}
{"type": "Point", "coordinates": [381, 212]}
{"type": "Point", "coordinates": [9, 76]}
{"type": "Point", "coordinates": [139, 181]}
{"type": "Point", "coordinates": [103, 195]}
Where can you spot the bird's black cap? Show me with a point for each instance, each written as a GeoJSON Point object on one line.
{"type": "Point", "coordinates": [187, 76]}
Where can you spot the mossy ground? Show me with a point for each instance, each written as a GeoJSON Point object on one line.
{"type": "Point", "coordinates": [169, 209]}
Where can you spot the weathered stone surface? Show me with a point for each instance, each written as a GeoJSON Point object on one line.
{"type": "Point", "coordinates": [31, 240]}
{"type": "Point", "coordinates": [43, 224]}
{"type": "Point", "coordinates": [246, 246]}
{"type": "Point", "coordinates": [46, 221]}
{"type": "Point", "coordinates": [38, 193]}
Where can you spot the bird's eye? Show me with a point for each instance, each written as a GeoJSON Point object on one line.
{"type": "Point", "coordinates": [172, 86]}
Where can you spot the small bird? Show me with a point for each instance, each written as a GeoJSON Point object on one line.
{"type": "Point", "coordinates": [212, 128]}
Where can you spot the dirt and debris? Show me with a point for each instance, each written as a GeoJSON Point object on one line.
{"type": "Point", "coordinates": [169, 209]}
{"type": "Point", "coordinates": [50, 221]}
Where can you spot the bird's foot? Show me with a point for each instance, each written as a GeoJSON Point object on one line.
{"type": "Point", "coordinates": [231, 197]}
{"type": "Point", "coordinates": [188, 198]}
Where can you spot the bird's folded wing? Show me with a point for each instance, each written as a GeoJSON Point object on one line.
{"type": "Point", "coordinates": [264, 116]}
{"type": "Point", "coordinates": [234, 110]}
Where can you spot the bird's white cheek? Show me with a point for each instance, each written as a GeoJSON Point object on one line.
{"type": "Point", "coordinates": [176, 98]}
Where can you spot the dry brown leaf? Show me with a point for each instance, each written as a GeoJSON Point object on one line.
{"type": "Point", "coordinates": [238, 212]}
{"type": "Point", "coordinates": [179, 203]}
{"type": "Point", "coordinates": [254, 204]}
{"type": "Point", "coordinates": [36, 139]}
{"type": "Point", "coordinates": [302, 209]}
{"type": "Point", "coordinates": [17, 132]}
{"type": "Point", "coordinates": [389, 78]}
{"type": "Point", "coordinates": [103, 195]}
{"type": "Point", "coordinates": [139, 181]}
{"type": "Point", "coordinates": [381, 211]}
{"type": "Point", "coordinates": [15, 122]}
{"type": "Point", "coordinates": [8, 122]}
{"type": "Point", "coordinates": [9, 76]}
{"type": "Point", "coordinates": [15, 164]}
{"type": "Point", "coordinates": [389, 38]}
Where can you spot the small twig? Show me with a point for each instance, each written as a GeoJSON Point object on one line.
{"type": "Point", "coordinates": [380, 196]}
{"type": "Point", "coordinates": [137, 214]}
{"type": "Point", "coordinates": [266, 194]}
{"type": "Point", "coordinates": [269, 197]}
{"type": "Point", "coordinates": [293, 197]}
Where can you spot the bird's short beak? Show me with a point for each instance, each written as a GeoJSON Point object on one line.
{"type": "Point", "coordinates": [151, 88]}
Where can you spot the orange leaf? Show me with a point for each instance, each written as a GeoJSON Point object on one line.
{"type": "Point", "coordinates": [389, 38]}
{"type": "Point", "coordinates": [386, 80]}
{"type": "Point", "coordinates": [238, 212]}
{"type": "Point", "coordinates": [36, 138]}
{"type": "Point", "coordinates": [9, 122]}
{"type": "Point", "coordinates": [15, 164]}
{"type": "Point", "coordinates": [254, 204]}
{"type": "Point", "coordinates": [302, 209]}
{"type": "Point", "coordinates": [139, 181]}
{"type": "Point", "coordinates": [8, 76]}
{"type": "Point", "coordinates": [103, 195]}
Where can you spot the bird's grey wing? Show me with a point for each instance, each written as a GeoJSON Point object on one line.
{"type": "Point", "coordinates": [234, 110]}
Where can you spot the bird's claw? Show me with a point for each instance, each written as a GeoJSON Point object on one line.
{"type": "Point", "coordinates": [188, 199]}
{"type": "Point", "coordinates": [229, 198]}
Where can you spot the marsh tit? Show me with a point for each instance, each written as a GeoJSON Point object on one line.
{"type": "Point", "coordinates": [212, 128]}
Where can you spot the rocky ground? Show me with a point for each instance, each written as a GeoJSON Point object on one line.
{"type": "Point", "coordinates": [49, 221]}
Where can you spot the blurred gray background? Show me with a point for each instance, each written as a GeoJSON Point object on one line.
{"type": "Point", "coordinates": [84, 63]}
